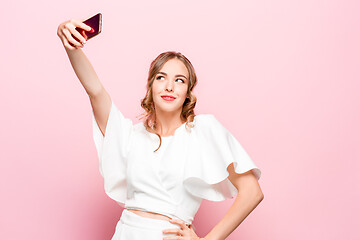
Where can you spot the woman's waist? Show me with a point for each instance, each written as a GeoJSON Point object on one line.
{"type": "Point", "coordinates": [157, 208]}
{"type": "Point", "coordinates": [149, 214]}
{"type": "Point", "coordinates": [153, 215]}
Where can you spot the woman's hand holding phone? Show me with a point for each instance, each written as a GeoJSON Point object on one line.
{"type": "Point", "coordinates": [70, 37]}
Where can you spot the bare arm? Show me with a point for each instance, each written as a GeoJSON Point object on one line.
{"type": "Point", "coordinates": [84, 71]}
{"type": "Point", "coordinates": [101, 105]}
{"type": "Point", "coordinates": [249, 196]}
{"type": "Point", "coordinates": [73, 41]}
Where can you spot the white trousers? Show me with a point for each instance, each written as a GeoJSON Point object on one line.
{"type": "Point", "coordinates": [134, 227]}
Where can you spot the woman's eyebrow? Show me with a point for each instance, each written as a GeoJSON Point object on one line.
{"type": "Point", "coordinates": [178, 75]}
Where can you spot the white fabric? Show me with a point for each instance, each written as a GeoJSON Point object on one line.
{"type": "Point", "coordinates": [191, 165]}
{"type": "Point", "coordinates": [134, 227]}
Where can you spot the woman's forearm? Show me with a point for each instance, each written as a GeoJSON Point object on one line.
{"type": "Point", "coordinates": [84, 71]}
{"type": "Point", "coordinates": [243, 205]}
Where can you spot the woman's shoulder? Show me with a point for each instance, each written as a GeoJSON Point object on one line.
{"type": "Point", "coordinates": [205, 118]}
{"type": "Point", "coordinates": [206, 121]}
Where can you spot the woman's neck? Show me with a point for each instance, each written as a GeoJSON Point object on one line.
{"type": "Point", "coordinates": [167, 123]}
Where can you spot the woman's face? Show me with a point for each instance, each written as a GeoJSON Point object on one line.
{"type": "Point", "coordinates": [172, 80]}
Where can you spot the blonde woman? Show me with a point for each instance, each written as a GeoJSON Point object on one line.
{"type": "Point", "coordinates": [159, 170]}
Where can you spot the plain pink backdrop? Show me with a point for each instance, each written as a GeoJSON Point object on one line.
{"type": "Point", "coordinates": [282, 76]}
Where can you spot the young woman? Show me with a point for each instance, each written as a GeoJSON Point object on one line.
{"type": "Point", "coordinates": [159, 170]}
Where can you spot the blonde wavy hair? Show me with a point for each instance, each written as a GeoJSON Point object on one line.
{"type": "Point", "coordinates": [147, 103]}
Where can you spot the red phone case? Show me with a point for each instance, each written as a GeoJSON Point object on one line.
{"type": "Point", "coordinates": [95, 23]}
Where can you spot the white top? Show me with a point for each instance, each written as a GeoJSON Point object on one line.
{"type": "Point", "coordinates": [189, 166]}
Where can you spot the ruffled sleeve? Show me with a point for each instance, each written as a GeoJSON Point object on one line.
{"type": "Point", "coordinates": [213, 149]}
{"type": "Point", "coordinates": [112, 151]}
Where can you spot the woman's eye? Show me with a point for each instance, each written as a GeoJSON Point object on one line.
{"type": "Point", "coordinates": [181, 80]}
{"type": "Point", "coordinates": [159, 77]}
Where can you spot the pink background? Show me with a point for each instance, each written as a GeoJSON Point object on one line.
{"type": "Point", "coordinates": [282, 76]}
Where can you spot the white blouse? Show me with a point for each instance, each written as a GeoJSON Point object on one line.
{"type": "Point", "coordinates": [190, 166]}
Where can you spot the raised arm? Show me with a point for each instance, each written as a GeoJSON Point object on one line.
{"type": "Point", "coordinates": [73, 41]}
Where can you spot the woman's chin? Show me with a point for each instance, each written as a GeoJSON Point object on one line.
{"type": "Point", "coordinates": [169, 109]}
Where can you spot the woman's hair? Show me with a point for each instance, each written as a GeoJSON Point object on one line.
{"type": "Point", "coordinates": [187, 113]}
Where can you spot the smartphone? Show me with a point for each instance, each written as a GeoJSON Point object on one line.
{"type": "Point", "coordinates": [95, 23]}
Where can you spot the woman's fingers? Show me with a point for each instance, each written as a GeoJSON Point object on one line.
{"type": "Point", "coordinates": [70, 36]}
{"type": "Point", "coordinates": [71, 27]}
{"type": "Point", "coordinates": [173, 230]}
{"type": "Point", "coordinates": [70, 39]}
{"type": "Point", "coordinates": [67, 44]}
{"type": "Point", "coordinates": [82, 25]}
{"type": "Point", "coordinates": [179, 222]}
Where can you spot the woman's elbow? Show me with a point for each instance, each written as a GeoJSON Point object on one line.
{"type": "Point", "coordinates": [257, 194]}
{"type": "Point", "coordinates": [260, 196]}
{"type": "Point", "coordinates": [254, 194]}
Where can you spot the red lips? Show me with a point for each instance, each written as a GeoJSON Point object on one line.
{"type": "Point", "coordinates": [168, 97]}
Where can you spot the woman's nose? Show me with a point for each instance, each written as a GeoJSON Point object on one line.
{"type": "Point", "coordinates": [169, 86]}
